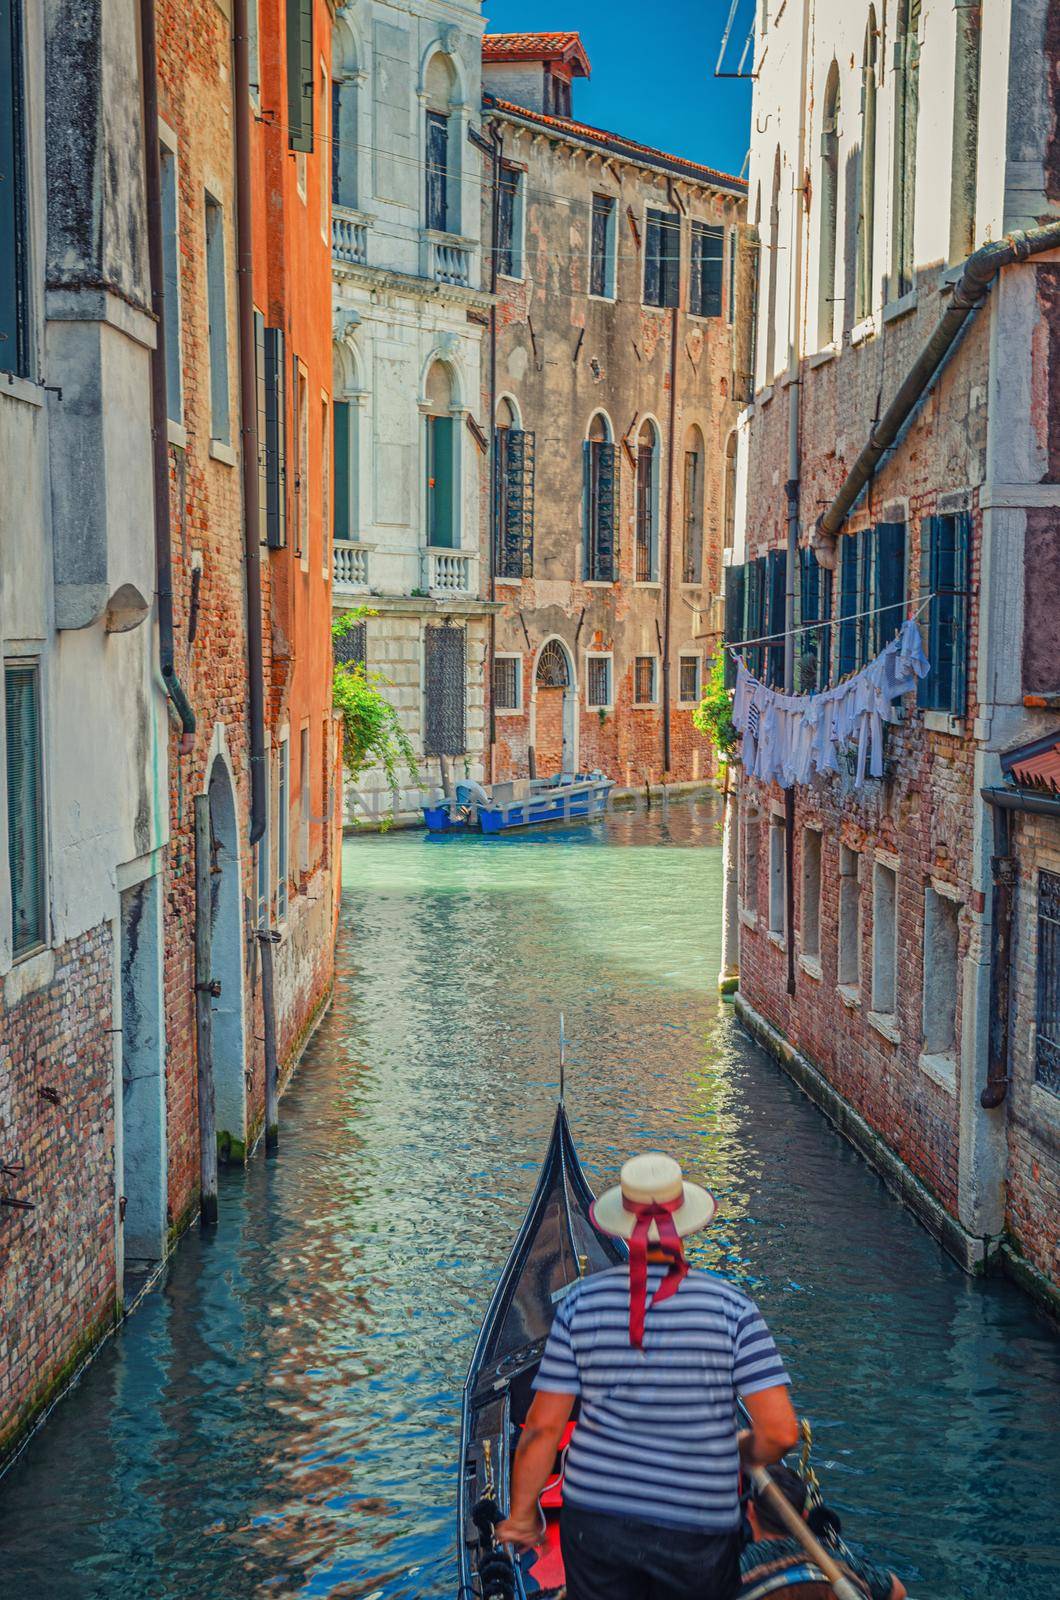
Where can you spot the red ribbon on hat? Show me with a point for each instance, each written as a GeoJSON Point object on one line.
{"type": "Point", "coordinates": [661, 1213]}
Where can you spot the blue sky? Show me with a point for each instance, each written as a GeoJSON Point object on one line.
{"type": "Point", "coordinates": [653, 69]}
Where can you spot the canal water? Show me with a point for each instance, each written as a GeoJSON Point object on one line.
{"type": "Point", "coordinates": [279, 1418]}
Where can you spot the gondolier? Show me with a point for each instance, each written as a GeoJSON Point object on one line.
{"type": "Point", "coordinates": [656, 1353]}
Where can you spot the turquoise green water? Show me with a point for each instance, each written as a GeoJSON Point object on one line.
{"type": "Point", "coordinates": [279, 1418]}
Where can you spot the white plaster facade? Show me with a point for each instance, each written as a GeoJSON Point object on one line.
{"type": "Point", "coordinates": [408, 321]}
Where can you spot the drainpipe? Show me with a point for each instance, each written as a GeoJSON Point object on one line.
{"type": "Point", "coordinates": [980, 270]}
{"type": "Point", "coordinates": [159, 408]}
{"type": "Point", "coordinates": [248, 428]}
{"type": "Point", "coordinates": [248, 407]}
{"type": "Point", "coordinates": [791, 487]}
{"type": "Point", "coordinates": [497, 139]}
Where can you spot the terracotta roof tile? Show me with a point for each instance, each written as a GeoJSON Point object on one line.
{"type": "Point", "coordinates": [565, 47]}
{"type": "Point", "coordinates": [621, 146]}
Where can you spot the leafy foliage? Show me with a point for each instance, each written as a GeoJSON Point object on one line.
{"type": "Point", "coordinates": [372, 734]}
{"type": "Point", "coordinates": [713, 715]}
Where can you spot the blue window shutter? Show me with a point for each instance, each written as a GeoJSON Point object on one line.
{"type": "Point", "coordinates": [927, 687]}
{"type": "Point", "coordinates": [848, 605]}
{"type": "Point", "coordinates": [25, 805]}
{"type": "Point", "coordinates": [606, 528]}
{"type": "Point", "coordinates": [735, 582]}
{"type": "Point", "coordinates": [961, 578]}
{"type": "Point", "coordinates": [342, 470]}
{"type": "Point", "coordinates": [776, 602]}
{"type": "Point", "coordinates": [652, 262]}
{"type": "Point", "coordinates": [890, 582]}
{"type": "Point", "coordinates": [275, 438]}
{"type": "Point", "coordinates": [866, 626]}
{"type": "Point", "coordinates": [517, 506]}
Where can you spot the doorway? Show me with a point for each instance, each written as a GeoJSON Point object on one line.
{"type": "Point", "coordinates": [226, 913]}
{"type": "Point", "coordinates": [142, 1177]}
{"type": "Point", "coordinates": [555, 711]}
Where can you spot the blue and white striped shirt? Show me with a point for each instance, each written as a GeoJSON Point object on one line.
{"type": "Point", "coordinates": [656, 1438]}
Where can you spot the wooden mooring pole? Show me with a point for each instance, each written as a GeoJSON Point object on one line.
{"type": "Point", "coordinates": [204, 993]}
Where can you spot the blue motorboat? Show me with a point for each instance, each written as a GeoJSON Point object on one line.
{"type": "Point", "coordinates": [521, 803]}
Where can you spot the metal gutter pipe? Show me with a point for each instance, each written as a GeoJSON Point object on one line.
{"type": "Point", "coordinates": [979, 272]}
{"type": "Point", "coordinates": [248, 423]}
{"type": "Point", "coordinates": [159, 408]}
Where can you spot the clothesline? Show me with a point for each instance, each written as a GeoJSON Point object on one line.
{"type": "Point", "coordinates": [807, 627]}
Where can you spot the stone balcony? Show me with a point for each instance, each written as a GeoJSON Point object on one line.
{"type": "Point", "coordinates": [448, 259]}
{"type": "Point", "coordinates": [349, 236]}
{"type": "Point", "coordinates": [349, 566]}
{"type": "Point", "coordinates": [451, 572]}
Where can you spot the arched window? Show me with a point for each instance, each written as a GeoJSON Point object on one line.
{"type": "Point", "coordinates": [863, 282]}
{"type": "Point", "coordinates": [513, 494]}
{"type": "Point", "coordinates": [829, 202]}
{"type": "Point", "coordinates": [553, 671]}
{"type": "Point", "coordinates": [344, 130]}
{"type": "Point", "coordinates": [774, 265]}
{"type": "Point", "coordinates": [729, 529]}
{"type": "Point", "coordinates": [906, 110]}
{"type": "Point", "coordinates": [692, 508]}
{"type": "Point", "coordinates": [600, 496]}
{"type": "Point", "coordinates": [647, 544]}
{"type": "Point", "coordinates": [443, 523]}
{"type": "Point", "coordinates": [442, 156]}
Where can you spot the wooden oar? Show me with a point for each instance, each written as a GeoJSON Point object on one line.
{"type": "Point", "coordinates": [766, 1489]}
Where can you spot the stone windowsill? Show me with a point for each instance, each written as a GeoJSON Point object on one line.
{"type": "Point", "coordinates": [1045, 1112]}
{"type": "Point", "coordinates": [29, 973]}
{"type": "Point", "coordinates": [748, 919]}
{"type": "Point", "coordinates": [941, 1069]}
{"type": "Point", "coordinates": [511, 583]}
{"type": "Point", "coordinates": [598, 583]}
{"type": "Point", "coordinates": [850, 995]}
{"type": "Point", "coordinates": [645, 705]}
{"type": "Point", "coordinates": [24, 389]}
{"type": "Point", "coordinates": [943, 722]}
{"type": "Point", "coordinates": [885, 1025]}
{"type": "Point", "coordinates": [811, 966]}
{"type": "Point", "coordinates": [176, 434]}
{"type": "Point", "coordinates": [646, 583]}
{"type": "Point", "coordinates": [222, 452]}
{"type": "Point", "coordinates": [866, 329]}
{"type": "Point", "coordinates": [776, 938]}
{"type": "Point", "coordinates": [821, 358]}
{"type": "Point", "coordinates": [894, 309]}
{"type": "Point", "coordinates": [764, 396]}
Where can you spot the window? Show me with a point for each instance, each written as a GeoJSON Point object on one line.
{"type": "Point", "coordinates": [662, 259]}
{"type": "Point", "coordinates": [441, 461]}
{"type": "Point", "coordinates": [510, 222]}
{"type": "Point", "coordinates": [829, 200]}
{"type": "Point", "coordinates": [965, 162]}
{"type": "Point", "coordinates": [941, 975]}
{"type": "Point", "coordinates": [600, 495]}
{"type": "Point", "coordinates": [300, 73]}
{"type": "Point", "coordinates": [777, 898]}
{"type": "Point", "coordinates": [945, 551]}
{"type": "Point", "coordinates": [345, 469]}
{"type": "Point", "coordinates": [301, 480]}
{"type": "Point", "coordinates": [14, 227]}
{"type": "Point", "coordinates": [644, 673]}
{"type": "Point", "coordinates": [351, 647]}
{"type": "Point", "coordinates": [557, 94]}
{"type": "Point", "coordinates": [171, 282]}
{"type": "Point", "coordinates": [598, 695]}
{"type": "Point", "coordinates": [217, 311]}
{"type": "Point", "coordinates": [810, 910]}
{"type": "Point", "coordinates": [445, 662]}
{"type": "Point", "coordinates": [275, 464]}
{"type": "Point", "coordinates": [344, 129]}
{"type": "Point", "coordinates": [906, 111]}
{"type": "Point", "coordinates": [813, 646]}
{"type": "Point", "coordinates": [866, 175]}
{"type": "Point", "coordinates": [884, 938]}
{"type": "Point", "coordinates": [1047, 1001]}
{"type": "Point", "coordinates": [507, 683]}
{"type": "Point", "coordinates": [303, 800]}
{"type": "Point", "coordinates": [324, 165]}
{"type": "Point", "coordinates": [513, 488]}
{"type": "Point", "coordinates": [647, 565]}
{"type": "Point", "coordinates": [25, 805]}
{"type": "Point", "coordinates": [264, 868]}
{"type": "Point", "coordinates": [283, 820]}
{"type": "Point", "coordinates": [750, 831]}
{"type": "Point", "coordinates": [688, 684]}
{"type": "Point", "coordinates": [602, 247]}
{"type": "Point", "coordinates": [708, 268]}
{"type": "Point", "coordinates": [849, 965]}
{"type": "Point", "coordinates": [692, 555]}
{"type": "Point", "coordinates": [774, 616]}
{"type": "Point", "coordinates": [729, 514]}
{"type": "Point", "coordinates": [325, 484]}
{"type": "Point", "coordinates": [437, 171]}
{"type": "Point", "coordinates": [731, 311]}
{"type": "Point", "coordinates": [774, 272]}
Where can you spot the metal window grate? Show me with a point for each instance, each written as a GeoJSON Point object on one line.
{"type": "Point", "coordinates": [552, 670]}
{"type": "Point", "coordinates": [598, 682]}
{"type": "Point", "coordinates": [644, 680]}
{"type": "Point", "coordinates": [445, 660]}
{"type": "Point", "coordinates": [1047, 1009]}
{"type": "Point", "coordinates": [351, 648]}
{"type": "Point", "coordinates": [506, 683]}
{"type": "Point", "coordinates": [689, 677]}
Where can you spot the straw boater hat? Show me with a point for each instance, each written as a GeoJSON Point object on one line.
{"type": "Point", "coordinates": [652, 1179]}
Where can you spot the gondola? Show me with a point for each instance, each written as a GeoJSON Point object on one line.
{"type": "Point", "coordinates": [556, 1247]}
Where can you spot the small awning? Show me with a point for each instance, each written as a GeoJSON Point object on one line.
{"type": "Point", "coordinates": [1035, 766]}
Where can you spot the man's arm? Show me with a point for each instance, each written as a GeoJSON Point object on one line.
{"type": "Point", "coordinates": [774, 1426]}
{"type": "Point", "coordinates": [542, 1432]}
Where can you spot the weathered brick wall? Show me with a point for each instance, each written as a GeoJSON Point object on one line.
{"type": "Point", "coordinates": [58, 1293]}
{"type": "Point", "coordinates": [1033, 1208]}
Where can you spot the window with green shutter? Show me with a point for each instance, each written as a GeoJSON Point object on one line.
{"type": "Point", "coordinates": [25, 805]}
{"type": "Point", "coordinates": [300, 75]}
{"type": "Point", "coordinates": [440, 517]}
{"type": "Point", "coordinates": [601, 546]}
{"type": "Point", "coordinates": [708, 270]}
{"type": "Point", "coordinates": [343, 471]}
{"type": "Point", "coordinates": [275, 438]}
{"type": "Point", "coordinates": [945, 559]}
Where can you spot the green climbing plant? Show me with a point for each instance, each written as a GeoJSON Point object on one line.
{"type": "Point", "coordinates": [713, 715]}
{"type": "Point", "coordinates": [372, 734]}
